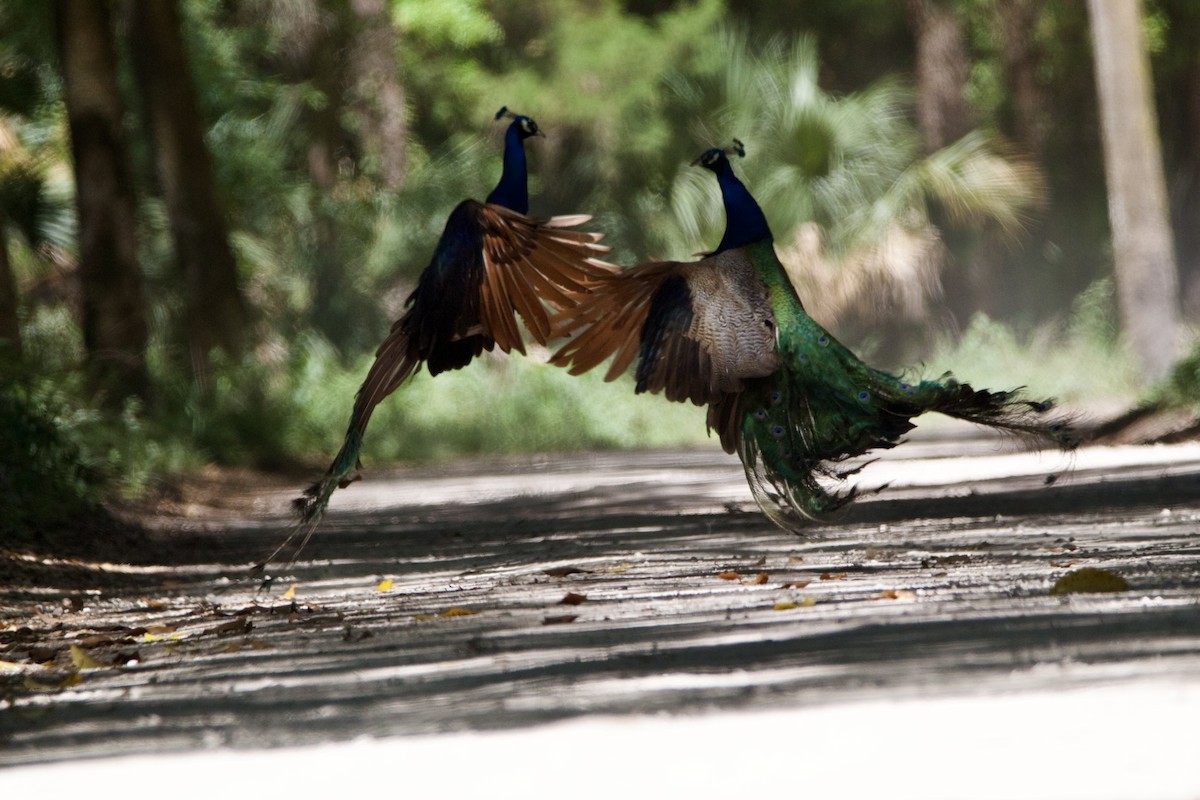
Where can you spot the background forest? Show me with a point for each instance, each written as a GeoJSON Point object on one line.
{"type": "Point", "coordinates": [211, 210]}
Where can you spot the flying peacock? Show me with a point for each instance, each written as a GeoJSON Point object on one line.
{"type": "Point", "coordinates": [491, 264]}
{"type": "Point", "coordinates": [729, 331]}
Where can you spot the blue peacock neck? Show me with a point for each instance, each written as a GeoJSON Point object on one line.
{"type": "Point", "coordinates": [513, 189]}
{"type": "Point", "coordinates": [745, 222]}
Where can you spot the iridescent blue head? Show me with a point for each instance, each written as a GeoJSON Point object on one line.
{"type": "Point", "coordinates": [717, 158]}
{"type": "Point", "coordinates": [745, 222]}
{"type": "Point", "coordinates": [513, 189]}
{"type": "Point", "coordinates": [522, 126]}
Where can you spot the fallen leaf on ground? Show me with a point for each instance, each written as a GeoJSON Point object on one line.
{"type": "Point", "coordinates": [40, 654]}
{"type": "Point", "coordinates": [125, 657]}
{"type": "Point", "coordinates": [95, 640]}
{"type": "Point", "coordinates": [796, 584]}
{"type": "Point", "coordinates": [758, 579]}
{"type": "Point", "coordinates": [458, 611]}
{"type": "Point", "coordinates": [82, 660]}
{"type": "Point", "coordinates": [352, 634]}
{"type": "Point", "coordinates": [560, 620]}
{"type": "Point", "coordinates": [804, 602]}
{"type": "Point", "coordinates": [385, 585]}
{"type": "Point", "coordinates": [894, 594]}
{"type": "Point", "coordinates": [159, 630]}
{"type": "Point", "coordinates": [834, 576]}
{"type": "Point", "coordinates": [290, 594]}
{"type": "Point", "coordinates": [729, 576]}
{"type": "Point", "coordinates": [562, 572]}
{"type": "Point", "coordinates": [235, 627]}
{"type": "Point", "coordinates": [572, 599]}
{"type": "Point", "coordinates": [52, 682]}
{"type": "Point", "coordinates": [1089, 579]}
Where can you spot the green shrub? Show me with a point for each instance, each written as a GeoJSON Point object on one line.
{"type": "Point", "coordinates": [44, 480]}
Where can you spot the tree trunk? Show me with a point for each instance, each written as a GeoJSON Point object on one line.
{"type": "Point", "coordinates": [10, 327]}
{"type": "Point", "coordinates": [1017, 20]}
{"type": "Point", "coordinates": [943, 67]}
{"type": "Point", "coordinates": [215, 314]}
{"type": "Point", "coordinates": [1143, 254]}
{"type": "Point", "coordinates": [1185, 188]}
{"type": "Point", "coordinates": [113, 308]}
{"type": "Point", "coordinates": [319, 53]}
{"type": "Point", "coordinates": [378, 96]}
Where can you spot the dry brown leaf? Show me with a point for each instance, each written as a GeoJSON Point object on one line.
{"type": "Point", "coordinates": [235, 627]}
{"type": "Point", "coordinates": [834, 576]}
{"type": "Point", "coordinates": [42, 654]}
{"type": "Point", "coordinates": [560, 619]}
{"type": "Point", "coordinates": [52, 682]}
{"type": "Point", "coordinates": [894, 594]}
{"type": "Point", "coordinates": [758, 580]}
{"type": "Point", "coordinates": [796, 584]}
{"type": "Point", "coordinates": [124, 657]}
{"type": "Point", "coordinates": [729, 576]}
{"type": "Point", "coordinates": [352, 634]}
{"type": "Point", "coordinates": [458, 611]}
{"type": "Point", "coordinates": [562, 572]}
{"type": "Point", "coordinates": [95, 640]}
{"type": "Point", "coordinates": [1088, 580]}
{"type": "Point", "coordinates": [572, 599]}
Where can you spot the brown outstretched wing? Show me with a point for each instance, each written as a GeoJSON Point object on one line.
{"type": "Point", "coordinates": [530, 264]}
{"type": "Point", "coordinates": [698, 329]}
{"type": "Point", "coordinates": [489, 263]}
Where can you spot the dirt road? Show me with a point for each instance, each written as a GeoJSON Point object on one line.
{"type": "Point", "coordinates": [501, 595]}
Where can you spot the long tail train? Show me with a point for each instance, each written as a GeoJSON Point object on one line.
{"type": "Point", "coordinates": [792, 439]}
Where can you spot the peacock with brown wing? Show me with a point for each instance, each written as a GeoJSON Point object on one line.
{"type": "Point", "coordinates": [492, 264]}
{"type": "Point", "coordinates": [729, 331]}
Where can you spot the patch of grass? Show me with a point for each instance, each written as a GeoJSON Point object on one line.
{"type": "Point", "coordinates": [1077, 360]}
{"type": "Point", "coordinates": [496, 405]}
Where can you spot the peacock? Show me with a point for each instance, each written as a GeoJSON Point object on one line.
{"type": "Point", "coordinates": [729, 331]}
{"type": "Point", "coordinates": [492, 264]}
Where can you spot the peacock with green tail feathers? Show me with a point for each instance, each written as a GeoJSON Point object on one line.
{"type": "Point", "coordinates": [492, 264]}
{"type": "Point", "coordinates": [729, 331]}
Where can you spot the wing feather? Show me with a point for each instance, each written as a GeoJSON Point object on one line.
{"type": "Point", "coordinates": [698, 330]}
